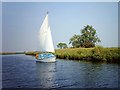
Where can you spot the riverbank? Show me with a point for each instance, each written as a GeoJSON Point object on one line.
{"type": "Point", "coordinates": [97, 54]}
{"type": "Point", "coordinates": [8, 53]}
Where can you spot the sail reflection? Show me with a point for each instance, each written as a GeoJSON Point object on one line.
{"type": "Point", "coordinates": [45, 74]}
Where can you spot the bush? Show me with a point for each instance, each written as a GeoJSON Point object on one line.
{"type": "Point", "coordinates": [88, 44]}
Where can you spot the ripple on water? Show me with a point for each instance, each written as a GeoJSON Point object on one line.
{"type": "Point", "coordinates": [23, 72]}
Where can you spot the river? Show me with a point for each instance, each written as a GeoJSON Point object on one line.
{"type": "Point", "coordinates": [21, 71]}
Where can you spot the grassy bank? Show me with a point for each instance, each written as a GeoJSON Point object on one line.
{"type": "Point", "coordinates": [110, 55]}
{"type": "Point", "coordinates": [32, 53]}
{"type": "Point", "coordinates": [8, 53]}
{"type": "Point", "coordinates": [97, 54]}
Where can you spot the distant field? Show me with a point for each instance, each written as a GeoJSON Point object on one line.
{"type": "Point", "coordinates": [7, 53]}
{"type": "Point", "coordinates": [32, 53]}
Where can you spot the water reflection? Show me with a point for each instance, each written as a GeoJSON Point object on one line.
{"type": "Point", "coordinates": [45, 74]}
{"type": "Point", "coordinates": [20, 71]}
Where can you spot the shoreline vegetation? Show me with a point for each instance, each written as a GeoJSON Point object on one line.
{"type": "Point", "coordinates": [96, 54]}
{"type": "Point", "coordinates": [7, 53]}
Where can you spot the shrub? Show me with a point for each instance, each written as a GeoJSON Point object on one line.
{"type": "Point", "coordinates": [88, 44]}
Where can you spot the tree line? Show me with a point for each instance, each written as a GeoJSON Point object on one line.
{"type": "Point", "coordinates": [87, 39]}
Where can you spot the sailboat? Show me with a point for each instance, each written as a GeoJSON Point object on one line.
{"type": "Point", "coordinates": [46, 43]}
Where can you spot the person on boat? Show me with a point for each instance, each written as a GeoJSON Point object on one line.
{"type": "Point", "coordinates": [36, 56]}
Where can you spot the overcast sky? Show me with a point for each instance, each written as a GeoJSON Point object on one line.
{"type": "Point", "coordinates": [21, 22]}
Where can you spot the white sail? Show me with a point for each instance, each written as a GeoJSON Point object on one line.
{"type": "Point", "coordinates": [49, 42]}
{"type": "Point", "coordinates": [45, 38]}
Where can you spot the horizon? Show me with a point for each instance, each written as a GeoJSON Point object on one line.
{"type": "Point", "coordinates": [21, 22]}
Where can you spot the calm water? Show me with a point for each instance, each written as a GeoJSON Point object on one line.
{"type": "Point", "coordinates": [21, 71]}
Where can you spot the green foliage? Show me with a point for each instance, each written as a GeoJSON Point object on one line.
{"type": "Point", "coordinates": [32, 53]}
{"type": "Point", "coordinates": [88, 44]}
{"type": "Point", "coordinates": [98, 46]}
{"type": "Point", "coordinates": [96, 54]}
{"type": "Point", "coordinates": [87, 39]}
{"type": "Point", "coordinates": [62, 45]}
{"type": "Point", "coordinates": [89, 34]}
{"type": "Point", "coordinates": [75, 41]}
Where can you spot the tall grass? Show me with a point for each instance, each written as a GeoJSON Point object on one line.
{"type": "Point", "coordinates": [101, 54]}
{"type": "Point", "coordinates": [32, 53]}
{"type": "Point", "coordinates": [96, 54]}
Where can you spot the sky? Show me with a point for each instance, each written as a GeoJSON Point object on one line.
{"type": "Point", "coordinates": [21, 22]}
{"type": "Point", "coordinates": [0, 27]}
{"type": "Point", "coordinates": [60, 0]}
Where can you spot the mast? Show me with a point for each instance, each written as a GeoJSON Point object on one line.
{"type": "Point", "coordinates": [45, 37]}
{"type": "Point", "coordinates": [49, 47]}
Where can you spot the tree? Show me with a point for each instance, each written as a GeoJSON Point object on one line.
{"type": "Point", "coordinates": [89, 35]}
{"type": "Point", "coordinates": [75, 40]}
{"type": "Point", "coordinates": [62, 45]}
{"type": "Point", "coordinates": [88, 38]}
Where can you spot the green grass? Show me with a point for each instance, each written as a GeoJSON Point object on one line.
{"type": "Point", "coordinates": [110, 55]}
{"type": "Point", "coordinates": [32, 53]}
{"type": "Point", "coordinates": [9, 53]}
{"type": "Point", "coordinates": [97, 54]}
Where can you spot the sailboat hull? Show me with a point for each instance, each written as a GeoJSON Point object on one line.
{"type": "Point", "coordinates": [50, 59]}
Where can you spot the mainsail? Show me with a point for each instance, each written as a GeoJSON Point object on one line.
{"type": "Point", "coordinates": [45, 37]}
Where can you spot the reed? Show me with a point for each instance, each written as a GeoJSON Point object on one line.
{"type": "Point", "coordinates": [96, 54]}
{"type": "Point", "coordinates": [9, 53]}
{"type": "Point", "coordinates": [32, 53]}
{"type": "Point", "coordinates": [110, 55]}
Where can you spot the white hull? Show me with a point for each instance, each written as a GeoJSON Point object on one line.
{"type": "Point", "coordinates": [51, 59]}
